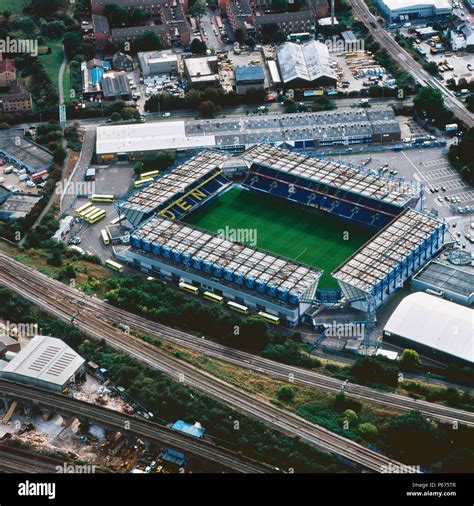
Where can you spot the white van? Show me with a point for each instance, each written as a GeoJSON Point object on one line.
{"type": "Point", "coordinates": [23, 177]}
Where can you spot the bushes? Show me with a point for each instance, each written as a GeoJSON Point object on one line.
{"type": "Point", "coordinates": [376, 370]}
{"type": "Point", "coordinates": [286, 394]}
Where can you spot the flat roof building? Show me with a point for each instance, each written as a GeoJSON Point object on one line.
{"type": "Point", "coordinates": [18, 206]}
{"type": "Point", "coordinates": [305, 65]}
{"type": "Point", "coordinates": [201, 71]}
{"type": "Point", "coordinates": [437, 328]}
{"type": "Point", "coordinates": [15, 147]}
{"type": "Point", "coordinates": [301, 130]}
{"type": "Point", "coordinates": [45, 362]}
{"type": "Point", "coordinates": [450, 281]}
{"type": "Point", "coordinates": [246, 77]}
{"type": "Point", "coordinates": [404, 10]}
{"type": "Point", "coordinates": [157, 62]}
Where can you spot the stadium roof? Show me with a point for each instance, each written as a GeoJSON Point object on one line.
{"type": "Point", "coordinates": [308, 61]}
{"type": "Point", "coordinates": [434, 322]}
{"type": "Point", "coordinates": [47, 359]}
{"type": "Point", "coordinates": [378, 257]}
{"type": "Point", "coordinates": [448, 277]}
{"type": "Point", "coordinates": [249, 262]}
{"type": "Point", "coordinates": [174, 182]}
{"type": "Point", "coordinates": [340, 124]}
{"type": "Point", "coordinates": [330, 173]}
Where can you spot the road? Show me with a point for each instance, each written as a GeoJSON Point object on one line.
{"type": "Point", "coordinates": [250, 362]}
{"type": "Point", "coordinates": [57, 301]}
{"type": "Point", "coordinates": [404, 58]}
{"type": "Point", "coordinates": [137, 426]}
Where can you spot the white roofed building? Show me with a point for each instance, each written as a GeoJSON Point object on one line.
{"type": "Point", "coordinates": [305, 64]}
{"type": "Point", "coordinates": [406, 10]}
{"type": "Point", "coordinates": [434, 327]}
{"type": "Point", "coordinates": [46, 362]}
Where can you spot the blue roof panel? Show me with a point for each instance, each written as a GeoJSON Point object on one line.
{"type": "Point", "coordinates": [250, 73]}
{"type": "Point", "coordinates": [187, 428]}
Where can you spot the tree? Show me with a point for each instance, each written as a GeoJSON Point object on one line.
{"type": "Point", "coordinates": [115, 116]}
{"type": "Point", "coordinates": [164, 159]}
{"type": "Point", "coordinates": [271, 33]}
{"type": "Point", "coordinates": [59, 155]}
{"type": "Point", "coordinates": [149, 41]}
{"type": "Point", "coordinates": [72, 44]}
{"type": "Point", "coordinates": [279, 5]}
{"type": "Point", "coordinates": [207, 109]}
{"type": "Point", "coordinates": [198, 46]}
{"type": "Point", "coordinates": [461, 156]}
{"type": "Point", "coordinates": [198, 9]}
{"type": "Point", "coordinates": [322, 103]}
{"type": "Point", "coordinates": [286, 393]}
{"type": "Point", "coordinates": [350, 416]}
{"type": "Point", "coordinates": [368, 431]}
{"type": "Point", "coordinates": [410, 360]}
{"type": "Point", "coordinates": [239, 35]}
{"type": "Point", "coordinates": [413, 437]}
{"type": "Point", "coordinates": [116, 15]}
{"type": "Point", "coordinates": [375, 370]}
{"type": "Point", "coordinates": [250, 41]}
{"type": "Point", "coordinates": [290, 105]}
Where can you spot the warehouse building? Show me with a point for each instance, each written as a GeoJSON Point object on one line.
{"type": "Point", "coordinates": [46, 362]}
{"type": "Point", "coordinates": [248, 77]}
{"type": "Point", "coordinates": [305, 65]}
{"type": "Point", "coordinates": [24, 152]}
{"type": "Point", "coordinates": [115, 87]}
{"type": "Point", "coordinates": [451, 282]}
{"type": "Point", "coordinates": [405, 10]}
{"type": "Point", "coordinates": [201, 71]}
{"type": "Point", "coordinates": [154, 63]}
{"type": "Point", "coordinates": [341, 127]}
{"type": "Point", "coordinates": [436, 328]}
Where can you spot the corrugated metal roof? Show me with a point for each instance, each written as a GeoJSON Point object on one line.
{"type": "Point", "coordinates": [195, 430]}
{"type": "Point", "coordinates": [47, 359]}
{"type": "Point", "coordinates": [249, 73]}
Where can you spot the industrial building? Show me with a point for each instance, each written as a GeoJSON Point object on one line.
{"type": "Point", "coordinates": [201, 71]}
{"type": "Point", "coordinates": [46, 362]}
{"type": "Point", "coordinates": [451, 282]}
{"type": "Point", "coordinates": [302, 130]}
{"type": "Point", "coordinates": [23, 151]}
{"type": "Point", "coordinates": [154, 63]}
{"type": "Point", "coordinates": [305, 65]}
{"type": "Point", "coordinates": [115, 87]}
{"type": "Point", "coordinates": [405, 10]}
{"type": "Point", "coordinates": [436, 328]}
{"type": "Point", "coordinates": [17, 206]}
{"type": "Point", "coordinates": [248, 77]}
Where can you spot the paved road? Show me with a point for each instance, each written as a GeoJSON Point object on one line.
{"type": "Point", "coordinates": [61, 78]}
{"type": "Point", "coordinates": [406, 61]}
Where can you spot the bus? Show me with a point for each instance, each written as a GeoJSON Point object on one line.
{"type": "Point", "coordinates": [189, 288]}
{"type": "Point", "coordinates": [114, 265]}
{"type": "Point", "coordinates": [117, 220]}
{"type": "Point", "coordinates": [105, 236]}
{"type": "Point", "coordinates": [238, 307]}
{"type": "Point", "coordinates": [83, 208]}
{"type": "Point", "coordinates": [269, 317]}
{"type": "Point", "coordinates": [102, 198]}
{"type": "Point", "coordinates": [142, 182]}
{"type": "Point", "coordinates": [148, 175]}
{"type": "Point", "coordinates": [297, 37]}
{"type": "Point", "coordinates": [89, 212]}
{"type": "Point", "coordinates": [97, 217]}
{"type": "Point", "coordinates": [213, 297]}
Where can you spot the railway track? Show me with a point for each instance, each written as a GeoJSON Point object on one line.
{"type": "Point", "coordinates": [16, 460]}
{"type": "Point", "coordinates": [53, 300]}
{"type": "Point", "coordinates": [404, 58]}
{"type": "Point", "coordinates": [138, 426]}
{"type": "Point", "coordinates": [251, 362]}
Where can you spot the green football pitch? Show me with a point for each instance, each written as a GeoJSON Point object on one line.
{"type": "Point", "coordinates": [284, 228]}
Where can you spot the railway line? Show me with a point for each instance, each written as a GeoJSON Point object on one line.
{"type": "Point", "coordinates": [138, 426]}
{"type": "Point", "coordinates": [404, 58]}
{"type": "Point", "coordinates": [250, 362]}
{"type": "Point", "coordinates": [16, 460]}
{"type": "Point", "coordinates": [55, 300]}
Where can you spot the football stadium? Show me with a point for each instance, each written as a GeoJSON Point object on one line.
{"type": "Point", "coordinates": [277, 232]}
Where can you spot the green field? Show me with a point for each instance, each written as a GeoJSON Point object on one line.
{"type": "Point", "coordinates": [285, 229]}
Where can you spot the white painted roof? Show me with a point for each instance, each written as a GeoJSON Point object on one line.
{"type": "Point", "coordinates": [47, 359]}
{"type": "Point", "coordinates": [394, 5]}
{"type": "Point", "coordinates": [435, 322]}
